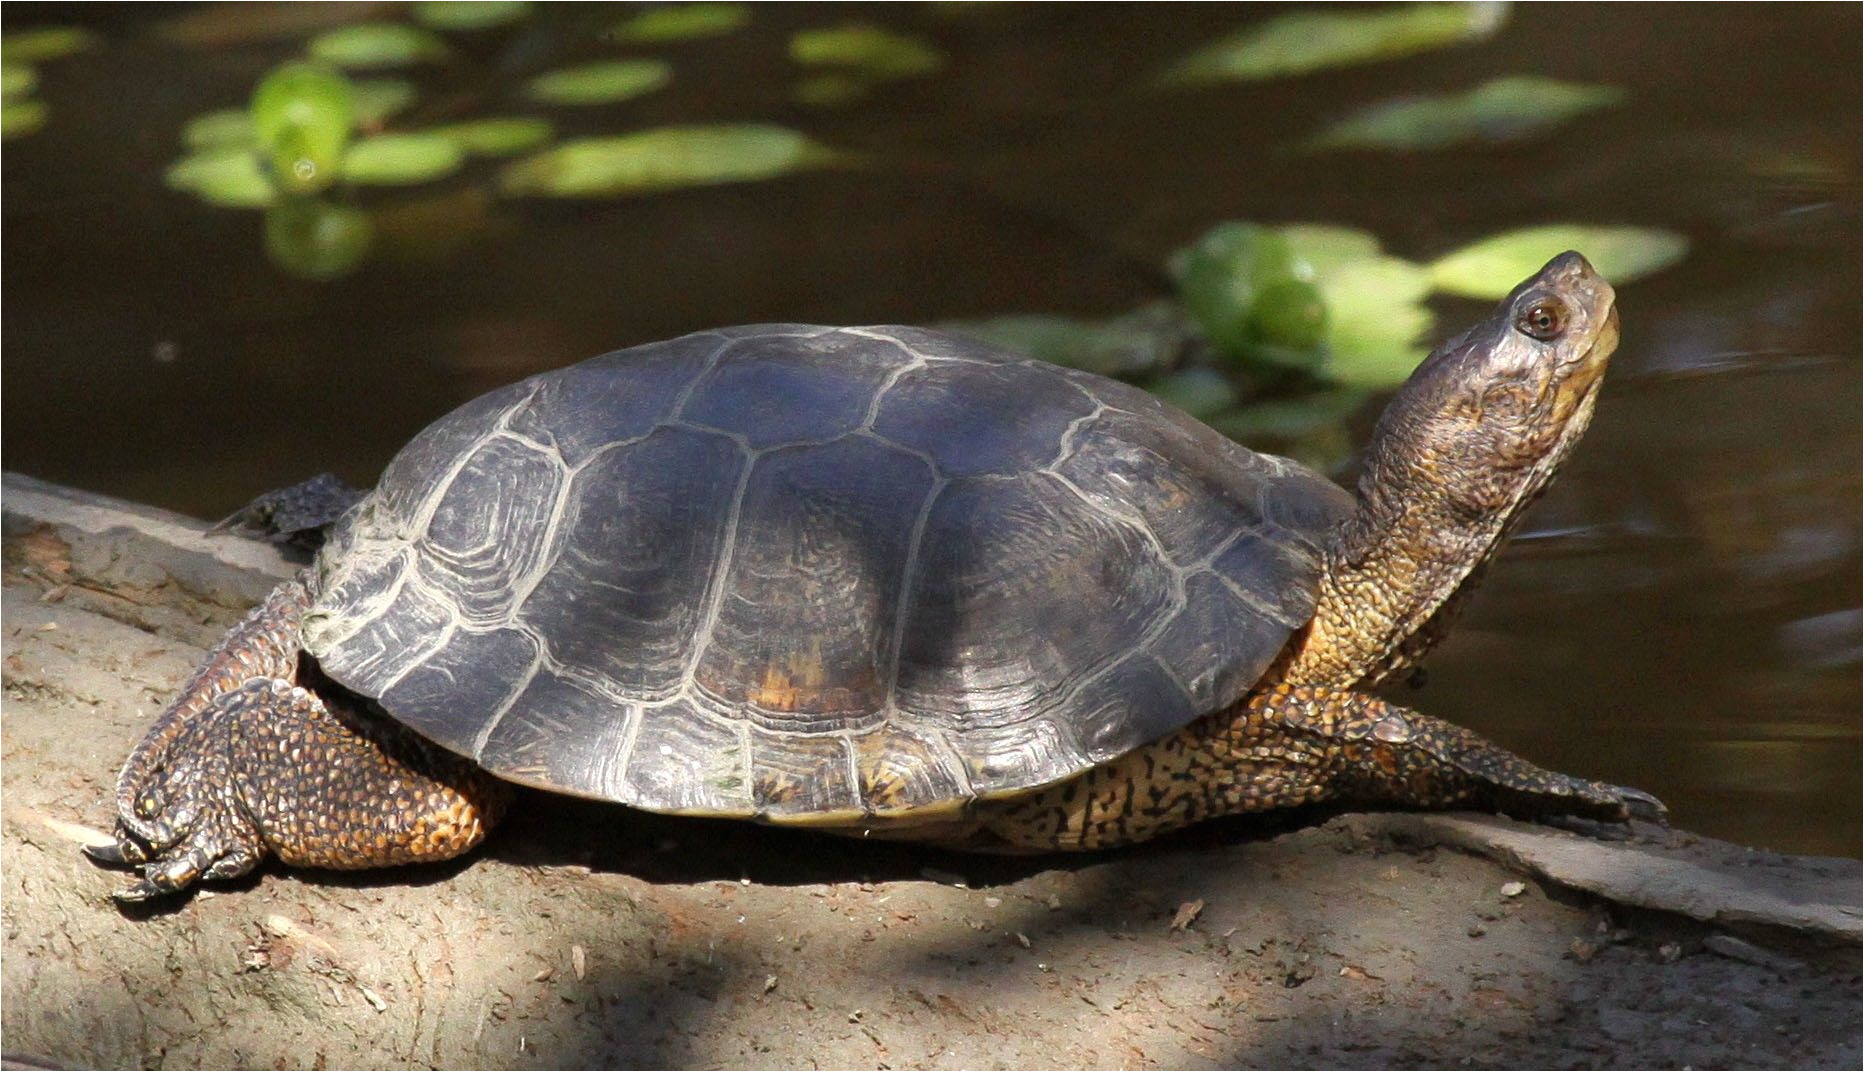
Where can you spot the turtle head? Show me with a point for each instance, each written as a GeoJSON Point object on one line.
{"type": "Point", "coordinates": [1468, 443]}
{"type": "Point", "coordinates": [1486, 420]}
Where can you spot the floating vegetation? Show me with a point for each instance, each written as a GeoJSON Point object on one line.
{"type": "Point", "coordinates": [462, 15]}
{"type": "Point", "coordinates": [600, 83]}
{"type": "Point", "coordinates": [681, 22]}
{"type": "Point", "coordinates": [44, 43]}
{"type": "Point", "coordinates": [226, 128]}
{"type": "Point", "coordinates": [1491, 268]}
{"type": "Point", "coordinates": [1306, 41]}
{"type": "Point", "coordinates": [370, 45]}
{"type": "Point", "coordinates": [314, 239]}
{"type": "Point", "coordinates": [303, 115]}
{"type": "Point", "coordinates": [498, 136]}
{"type": "Point", "coordinates": [225, 177]}
{"type": "Point", "coordinates": [16, 80]}
{"type": "Point", "coordinates": [665, 158]}
{"type": "Point", "coordinates": [20, 112]}
{"type": "Point", "coordinates": [1502, 110]}
{"type": "Point", "coordinates": [21, 117]}
{"type": "Point", "coordinates": [377, 100]}
{"type": "Point", "coordinates": [1133, 345]}
{"type": "Point", "coordinates": [402, 159]}
{"type": "Point", "coordinates": [850, 60]}
{"type": "Point", "coordinates": [1200, 391]}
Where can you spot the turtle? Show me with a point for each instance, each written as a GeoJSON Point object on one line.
{"type": "Point", "coordinates": [876, 580]}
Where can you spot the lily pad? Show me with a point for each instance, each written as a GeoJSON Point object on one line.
{"type": "Point", "coordinates": [1376, 321]}
{"type": "Point", "coordinates": [877, 54]}
{"type": "Point", "coordinates": [16, 79]}
{"type": "Point", "coordinates": [227, 177]}
{"type": "Point", "coordinates": [44, 43]}
{"type": "Point", "coordinates": [681, 22]}
{"type": "Point", "coordinates": [19, 118]}
{"type": "Point", "coordinates": [1134, 344]}
{"type": "Point", "coordinates": [600, 83]}
{"type": "Point", "coordinates": [1501, 110]}
{"type": "Point", "coordinates": [1221, 277]}
{"type": "Point", "coordinates": [1311, 40]}
{"type": "Point", "coordinates": [376, 100]}
{"type": "Point", "coordinates": [469, 14]}
{"type": "Point", "coordinates": [226, 128]}
{"type": "Point", "coordinates": [666, 158]}
{"type": "Point", "coordinates": [1492, 267]}
{"type": "Point", "coordinates": [831, 89]}
{"type": "Point", "coordinates": [1201, 392]}
{"type": "Point", "coordinates": [303, 114]}
{"type": "Point", "coordinates": [497, 137]}
{"type": "Point", "coordinates": [1290, 418]}
{"type": "Point", "coordinates": [314, 240]}
{"type": "Point", "coordinates": [1320, 248]}
{"type": "Point", "coordinates": [368, 45]}
{"type": "Point", "coordinates": [402, 159]}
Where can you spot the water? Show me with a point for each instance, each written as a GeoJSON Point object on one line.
{"type": "Point", "coordinates": [1682, 613]}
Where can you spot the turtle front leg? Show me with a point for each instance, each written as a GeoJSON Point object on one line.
{"type": "Point", "coordinates": [270, 767]}
{"type": "Point", "coordinates": [1290, 746]}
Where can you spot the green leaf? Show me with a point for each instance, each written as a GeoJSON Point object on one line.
{"type": "Point", "coordinates": [1221, 276]}
{"type": "Point", "coordinates": [16, 79]}
{"type": "Point", "coordinates": [1133, 344]}
{"type": "Point", "coordinates": [226, 128]}
{"type": "Point", "coordinates": [497, 137]}
{"type": "Point", "coordinates": [469, 14]}
{"type": "Point", "coordinates": [876, 54]}
{"type": "Point", "coordinates": [314, 240]}
{"type": "Point", "coordinates": [666, 158]}
{"type": "Point", "coordinates": [377, 99]}
{"type": "Point", "coordinates": [600, 83]}
{"type": "Point", "coordinates": [681, 22]}
{"type": "Point", "coordinates": [1291, 418]}
{"type": "Point", "coordinates": [1494, 266]}
{"type": "Point", "coordinates": [1201, 392]}
{"type": "Point", "coordinates": [227, 177]}
{"type": "Point", "coordinates": [19, 118]}
{"type": "Point", "coordinates": [402, 159]}
{"type": "Point", "coordinates": [1502, 110]}
{"type": "Point", "coordinates": [378, 44]}
{"type": "Point", "coordinates": [1320, 248]}
{"type": "Point", "coordinates": [304, 114]}
{"type": "Point", "coordinates": [830, 89]}
{"type": "Point", "coordinates": [1376, 321]}
{"type": "Point", "coordinates": [1311, 40]}
{"type": "Point", "coordinates": [44, 43]}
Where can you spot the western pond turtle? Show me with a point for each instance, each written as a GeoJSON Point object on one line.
{"type": "Point", "coordinates": [873, 579]}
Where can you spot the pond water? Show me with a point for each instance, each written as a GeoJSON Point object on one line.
{"type": "Point", "coordinates": [1681, 613]}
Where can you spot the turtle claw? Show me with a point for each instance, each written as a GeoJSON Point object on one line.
{"type": "Point", "coordinates": [1641, 805]}
{"type": "Point", "coordinates": [120, 853]}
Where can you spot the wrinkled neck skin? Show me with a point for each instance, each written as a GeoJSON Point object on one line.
{"type": "Point", "coordinates": [1401, 568]}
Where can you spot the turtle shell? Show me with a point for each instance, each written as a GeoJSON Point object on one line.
{"type": "Point", "coordinates": [815, 574]}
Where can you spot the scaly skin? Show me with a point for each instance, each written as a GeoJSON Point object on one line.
{"type": "Point", "coordinates": [247, 762]}
{"type": "Point", "coordinates": [1284, 747]}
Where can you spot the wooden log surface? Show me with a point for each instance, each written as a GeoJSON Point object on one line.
{"type": "Point", "coordinates": [588, 936]}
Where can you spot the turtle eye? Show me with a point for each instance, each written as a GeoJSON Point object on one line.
{"type": "Point", "coordinates": [1545, 319]}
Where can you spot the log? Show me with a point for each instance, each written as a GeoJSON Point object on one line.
{"type": "Point", "coordinates": [586, 935]}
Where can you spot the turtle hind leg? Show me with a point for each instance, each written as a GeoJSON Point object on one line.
{"type": "Point", "coordinates": [1363, 750]}
{"type": "Point", "coordinates": [1291, 746]}
{"type": "Point", "coordinates": [270, 768]}
{"type": "Point", "coordinates": [296, 515]}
